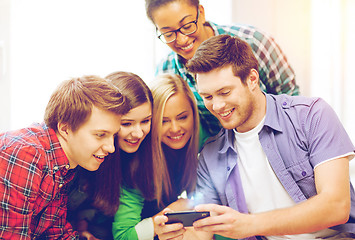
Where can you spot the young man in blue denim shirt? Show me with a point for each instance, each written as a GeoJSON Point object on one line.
{"type": "Point", "coordinates": [280, 166]}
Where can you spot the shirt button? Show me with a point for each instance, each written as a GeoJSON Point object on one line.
{"type": "Point", "coordinates": [60, 185]}
{"type": "Point", "coordinates": [284, 103]}
{"type": "Point", "coordinates": [228, 168]}
{"type": "Point", "coordinates": [67, 166]}
{"type": "Point", "coordinates": [304, 173]}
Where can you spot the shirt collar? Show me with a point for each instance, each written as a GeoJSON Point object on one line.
{"type": "Point", "coordinates": [214, 27]}
{"type": "Point", "coordinates": [59, 159]}
{"type": "Point", "coordinates": [228, 141]}
{"type": "Point", "coordinates": [271, 120]}
{"type": "Point", "coordinates": [272, 113]}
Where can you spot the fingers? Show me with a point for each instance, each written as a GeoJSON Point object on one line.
{"type": "Point", "coordinates": [214, 209]}
{"type": "Point", "coordinates": [217, 221]}
{"type": "Point", "coordinates": [171, 231]}
{"type": "Point", "coordinates": [160, 219]}
{"type": "Point", "coordinates": [167, 231]}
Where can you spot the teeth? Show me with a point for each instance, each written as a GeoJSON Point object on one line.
{"type": "Point", "coordinates": [132, 141]}
{"type": "Point", "coordinates": [225, 113]}
{"type": "Point", "coordinates": [177, 137]}
{"type": "Point", "coordinates": [188, 47]}
{"type": "Point", "coordinates": [101, 157]}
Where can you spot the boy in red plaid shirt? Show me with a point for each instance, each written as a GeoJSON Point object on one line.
{"type": "Point", "coordinates": [81, 120]}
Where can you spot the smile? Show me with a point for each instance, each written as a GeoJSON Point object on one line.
{"type": "Point", "coordinates": [225, 114]}
{"type": "Point", "coordinates": [188, 47]}
{"type": "Point", "coordinates": [132, 141]}
{"type": "Point", "coordinates": [100, 158]}
{"type": "Point", "coordinates": [176, 138]}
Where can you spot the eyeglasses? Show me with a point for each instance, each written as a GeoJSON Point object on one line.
{"type": "Point", "coordinates": [186, 29]}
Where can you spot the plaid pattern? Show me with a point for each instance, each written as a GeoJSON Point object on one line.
{"type": "Point", "coordinates": [33, 179]}
{"type": "Point", "coordinates": [276, 74]}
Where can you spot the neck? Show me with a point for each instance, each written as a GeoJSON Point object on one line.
{"type": "Point", "coordinates": [64, 145]}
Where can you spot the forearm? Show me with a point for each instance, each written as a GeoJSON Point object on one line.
{"type": "Point", "coordinates": [330, 207]}
{"type": "Point", "coordinates": [312, 215]}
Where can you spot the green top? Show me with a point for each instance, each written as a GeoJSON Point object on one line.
{"type": "Point", "coordinates": [128, 214]}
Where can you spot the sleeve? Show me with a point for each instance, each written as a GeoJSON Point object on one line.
{"type": "Point", "coordinates": [20, 181]}
{"type": "Point", "coordinates": [276, 74]}
{"type": "Point", "coordinates": [168, 65]}
{"type": "Point", "coordinates": [19, 184]}
{"type": "Point", "coordinates": [127, 221]}
{"type": "Point", "coordinates": [326, 135]}
{"type": "Point", "coordinates": [61, 228]}
{"type": "Point", "coordinates": [205, 191]}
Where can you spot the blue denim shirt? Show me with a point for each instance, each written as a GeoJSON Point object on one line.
{"type": "Point", "coordinates": [298, 134]}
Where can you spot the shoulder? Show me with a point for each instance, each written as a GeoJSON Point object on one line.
{"type": "Point", "coordinates": [300, 104]}
{"type": "Point", "coordinates": [301, 111]}
{"type": "Point", "coordinates": [216, 143]}
{"type": "Point", "coordinates": [167, 64]}
{"type": "Point", "coordinates": [243, 31]}
{"type": "Point", "coordinates": [131, 193]}
{"type": "Point", "coordinates": [25, 147]}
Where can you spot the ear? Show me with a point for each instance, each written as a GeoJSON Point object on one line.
{"type": "Point", "coordinates": [202, 16]}
{"type": "Point", "coordinates": [253, 80]}
{"type": "Point", "coordinates": [63, 130]}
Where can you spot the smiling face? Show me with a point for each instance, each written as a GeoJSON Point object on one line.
{"type": "Point", "coordinates": [135, 125]}
{"type": "Point", "coordinates": [231, 101]}
{"type": "Point", "coordinates": [92, 141]}
{"type": "Point", "coordinates": [178, 121]}
{"type": "Point", "coordinates": [174, 15]}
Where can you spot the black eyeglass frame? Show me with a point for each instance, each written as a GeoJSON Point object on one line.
{"type": "Point", "coordinates": [161, 35]}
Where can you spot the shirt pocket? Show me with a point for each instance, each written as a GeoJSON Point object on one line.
{"type": "Point", "coordinates": [303, 175]}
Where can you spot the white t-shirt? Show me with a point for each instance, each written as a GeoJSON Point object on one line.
{"type": "Point", "coordinates": [262, 189]}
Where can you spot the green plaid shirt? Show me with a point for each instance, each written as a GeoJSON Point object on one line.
{"type": "Point", "coordinates": [275, 73]}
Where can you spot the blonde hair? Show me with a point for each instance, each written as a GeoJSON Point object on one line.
{"type": "Point", "coordinates": [73, 100]}
{"type": "Point", "coordinates": [163, 87]}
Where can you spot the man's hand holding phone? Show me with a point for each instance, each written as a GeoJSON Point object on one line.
{"type": "Point", "coordinates": [171, 225]}
{"type": "Point", "coordinates": [185, 217]}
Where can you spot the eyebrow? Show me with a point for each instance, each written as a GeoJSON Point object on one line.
{"type": "Point", "coordinates": [163, 28]}
{"type": "Point", "coordinates": [178, 114]}
{"type": "Point", "coordinates": [217, 91]}
{"type": "Point", "coordinates": [182, 113]}
{"type": "Point", "coordinates": [131, 120]}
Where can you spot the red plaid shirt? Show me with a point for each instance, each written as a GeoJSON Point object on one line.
{"type": "Point", "coordinates": [33, 180]}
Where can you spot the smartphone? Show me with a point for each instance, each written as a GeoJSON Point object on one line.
{"type": "Point", "coordinates": [185, 217]}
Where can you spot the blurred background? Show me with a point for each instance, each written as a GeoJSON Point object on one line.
{"type": "Point", "coordinates": [43, 42]}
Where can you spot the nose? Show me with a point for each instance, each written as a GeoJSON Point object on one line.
{"type": "Point", "coordinates": [109, 146]}
{"type": "Point", "coordinates": [174, 127]}
{"type": "Point", "coordinates": [137, 131]}
{"type": "Point", "coordinates": [218, 104]}
{"type": "Point", "coordinates": [181, 39]}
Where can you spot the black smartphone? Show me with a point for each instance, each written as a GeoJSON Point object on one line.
{"type": "Point", "coordinates": [185, 217]}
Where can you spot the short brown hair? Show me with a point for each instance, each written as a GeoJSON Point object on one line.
{"type": "Point", "coordinates": [222, 51]}
{"type": "Point", "coordinates": [73, 100]}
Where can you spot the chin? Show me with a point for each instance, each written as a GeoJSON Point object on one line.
{"type": "Point", "coordinates": [229, 126]}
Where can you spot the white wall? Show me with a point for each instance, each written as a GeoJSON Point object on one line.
{"type": "Point", "coordinates": [288, 22]}
{"type": "Point", "coordinates": [54, 40]}
{"type": "Point", "coordinates": [4, 62]}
